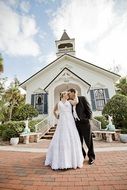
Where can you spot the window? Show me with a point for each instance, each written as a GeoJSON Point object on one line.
{"type": "Point", "coordinates": [40, 102]}
{"type": "Point", "coordinates": [39, 105]}
{"type": "Point", "coordinates": [99, 97]}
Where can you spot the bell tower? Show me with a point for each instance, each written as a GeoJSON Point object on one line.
{"type": "Point", "coordinates": [65, 45]}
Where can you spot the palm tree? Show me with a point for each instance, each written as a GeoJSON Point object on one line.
{"type": "Point", "coordinates": [1, 64]}
{"type": "Point", "coordinates": [3, 106]}
{"type": "Point", "coordinates": [13, 97]}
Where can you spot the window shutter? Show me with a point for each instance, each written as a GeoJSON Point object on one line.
{"type": "Point", "coordinates": [46, 103]}
{"type": "Point", "coordinates": [32, 99]}
{"type": "Point", "coordinates": [106, 95]}
{"type": "Point", "coordinates": [93, 100]}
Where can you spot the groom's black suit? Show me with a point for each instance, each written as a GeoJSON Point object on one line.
{"type": "Point", "coordinates": [83, 125]}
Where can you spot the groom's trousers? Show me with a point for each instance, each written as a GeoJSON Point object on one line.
{"type": "Point", "coordinates": [84, 130]}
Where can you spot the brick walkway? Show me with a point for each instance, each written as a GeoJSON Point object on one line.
{"type": "Point", "coordinates": [26, 170]}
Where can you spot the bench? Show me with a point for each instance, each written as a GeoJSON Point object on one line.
{"type": "Point", "coordinates": [27, 137]}
{"type": "Point", "coordinates": [116, 136]}
{"type": "Point", "coordinates": [104, 135]}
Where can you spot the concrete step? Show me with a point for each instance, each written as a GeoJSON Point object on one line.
{"type": "Point", "coordinates": [52, 129]}
{"type": "Point", "coordinates": [49, 134]}
{"type": "Point", "coordinates": [47, 137]}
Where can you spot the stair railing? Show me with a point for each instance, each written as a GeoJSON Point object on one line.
{"type": "Point", "coordinates": [96, 123]}
{"type": "Point", "coordinates": [43, 126]}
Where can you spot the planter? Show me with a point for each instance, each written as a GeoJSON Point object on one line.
{"type": "Point", "coordinates": [14, 140]}
{"type": "Point", "coordinates": [123, 138]}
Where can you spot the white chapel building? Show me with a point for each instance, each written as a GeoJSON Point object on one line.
{"type": "Point", "coordinates": [68, 71]}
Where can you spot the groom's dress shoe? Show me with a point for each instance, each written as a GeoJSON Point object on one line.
{"type": "Point", "coordinates": [91, 161]}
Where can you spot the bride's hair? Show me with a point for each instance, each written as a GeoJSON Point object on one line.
{"type": "Point", "coordinates": [62, 94]}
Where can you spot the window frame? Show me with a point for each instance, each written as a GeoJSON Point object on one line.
{"type": "Point", "coordinates": [99, 99]}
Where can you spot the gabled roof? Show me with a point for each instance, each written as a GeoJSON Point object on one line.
{"type": "Point", "coordinates": [73, 57]}
{"type": "Point", "coordinates": [65, 68]}
{"type": "Point", "coordinates": [64, 36]}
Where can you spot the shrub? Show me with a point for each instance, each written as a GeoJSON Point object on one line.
{"type": "Point", "coordinates": [12, 128]}
{"type": "Point", "coordinates": [103, 121]}
{"type": "Point", "coordinates": [117, 107]}
{"type": "Point", "coordinates": [2, 128]}
{"type": "Point", "coordinates": [9, 133]}
{"type": "Point", "coordinates": [124, 130]}
{"type": "Point", "coordinates": [32, 124]}
{"type": "Point", "coordinates": [24, 112]}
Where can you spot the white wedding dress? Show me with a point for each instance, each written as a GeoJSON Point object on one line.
{"type": "Point", "coordinates": [65, 148]}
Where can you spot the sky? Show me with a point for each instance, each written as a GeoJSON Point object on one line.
{"type": "Point", "coordinates": [29, 28]}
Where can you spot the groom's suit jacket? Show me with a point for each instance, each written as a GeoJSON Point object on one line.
{"type": "Point", "coordinates": [83, 110]}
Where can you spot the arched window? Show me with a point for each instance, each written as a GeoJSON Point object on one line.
{"type": "Point", "coordinates": [39, 100]}
{"type": "Point", "coordinates": [99, 97]}
{"type": "Point", "coordinates": [65, 45]}
{"type": "Point", "coordinates": [39, 103]}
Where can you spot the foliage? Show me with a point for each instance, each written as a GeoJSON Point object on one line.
{"type": "Point", "coordinates": [10, 99]}
{"type": "Point", "coordinates": [14, 128]}
{"type": "Point", "coordinates": [2, 128]}
{"type": "Point", "coordinates": [14, 125]}
{"type": "Point", "coordinates": [3, 105]}
{"type": "Point", "coordinates": [1, 64]}
{"type": "Point", "coordinates": [13, 97]}
{"type": "Point", "coordinates": [103, 121]}
{"type": "Point", "coordinates": [122, 86]}
{"type": "Point", "coordinates": [124, 130]}
{"type": "Point", "coordinates": [117, 107]}
{"type": "Point", "coordinates": [26, 111]}
{"type": "Point", "coordinates": [11, 129]}
{"type": "Point", "coordinates": [9, 133]}
{"type": "Point", "coordinates": [32, 124]}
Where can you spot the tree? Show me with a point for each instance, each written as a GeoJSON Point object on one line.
{"type": "Point", "coordinates": [25, 111]}
{"type": "Point", "coordinates": [3, 105]}
{"type": "Point", "coordinates": [10, 99]}
{"type": "Point", "coordinates": [13, 97]}
{"type": "Point", "coordinates": [122, 86]}
{"type": "Point", "coordinates": [117, 107]}
{"type": "Point", "coordinates": [1, 64]}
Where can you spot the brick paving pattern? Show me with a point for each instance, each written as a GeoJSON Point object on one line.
{"type": "Point", "coordinates": [26, 171]}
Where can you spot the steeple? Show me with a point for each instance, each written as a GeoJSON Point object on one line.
{"type": "Point", "coordinates": [65, 36]}
{"type": "Point", "coordinates": [65, 45]}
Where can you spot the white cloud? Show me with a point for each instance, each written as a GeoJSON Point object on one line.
{"type": "Point", "coordinates": [17, 33]}
{"type": "Point", "coordinates": [46, 59]}
{"type": "Point", "coordinates": [12, 2]}
{"type": "Point", "coordinates": [25, 6]}
{"type": "Point", "coordinates": [44, 1]}
{"type": "Point", "coordinates": [99, 29]}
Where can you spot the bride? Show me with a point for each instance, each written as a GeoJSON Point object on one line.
{"type": "Point", "coordinates": [65, 148]}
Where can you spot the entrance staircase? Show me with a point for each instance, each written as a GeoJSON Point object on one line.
{"type": "Point", "coordinates": [49, 133]}
{"type": "Point", "coordinates": [45, 129]}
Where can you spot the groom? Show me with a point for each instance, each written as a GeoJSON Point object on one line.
{"type": "Point", "coordinates": [84, 113]}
